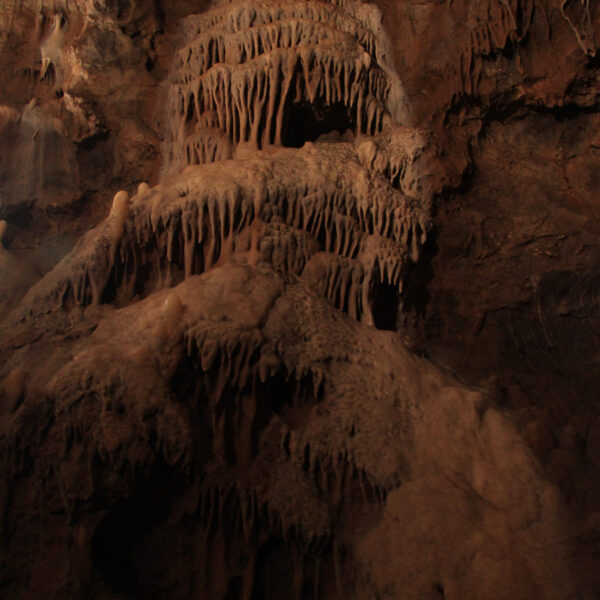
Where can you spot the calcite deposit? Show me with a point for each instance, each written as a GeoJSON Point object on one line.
{"type": "Point", "coordinates": [298, 299]}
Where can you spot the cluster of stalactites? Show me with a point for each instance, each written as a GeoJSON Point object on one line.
{"type": "Point", "coordinates": [334, 473]}
{"type": "Point", "coordinates": [241, 16]}
{"type": "Point", "coordinates": [240, 360]}
{"type": "Point", "coordinates": [207, 146]}
{"type": "Point", "coordinates": [213, 47]}
{"type": "Point", "coordinates": [338, 217]}
{"type": "Point", "coordinates": [248, 101]}
{"type": "Point", "coordinates": [170, 233]}
{"type": "Point", "coordinates": [241, 510]}
{"type": "Point", "coordinates": [244, 65]}
{"type": "Point", "coordinates": [367, 237]}
{"type": "Point", "coordinates": [83, 275]}
{"type": "Point", "coordinates": [286, 249]}
{"type": "Point", "coordinates": [491, 23]}
{"type": "Point", "coordinates": [233, 371]}
{"type": "Point", "coordinates": [49, 15]}
{"type": "Point", "coordinates": [347, 283]}
{"type": "Point", "coordinates": [11, 9]}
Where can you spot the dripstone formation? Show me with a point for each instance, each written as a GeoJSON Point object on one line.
{"type": "Point", "coordinates": [255, 258]}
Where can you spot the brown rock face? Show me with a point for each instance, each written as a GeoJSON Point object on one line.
{"type": "Point", "coordinates": [298, 299]}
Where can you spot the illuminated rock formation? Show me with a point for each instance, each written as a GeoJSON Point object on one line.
{"type": "Point", "coordinates": [214, 392]}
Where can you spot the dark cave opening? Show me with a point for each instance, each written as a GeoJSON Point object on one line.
{"type": "Point", "coordinates": [282, 572]}
{"type": "Point", "coordinates": [307, 121]}
{"type": "Point", "coordinates": [416, 294]}
{"type": "Point", "coordinates": [234, 591]}
{"type": "Point", "coordinates": [122, 547]}
{"type": "Point", "coordinates": [112, 548]}
{"type": "Point", "coordinates": [274, 576]}
{"type": "Point", "coordinates": [385, 304]}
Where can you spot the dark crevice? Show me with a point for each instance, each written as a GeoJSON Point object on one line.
{"type": "Point", "coordinates": [274, 577]}
{"type": "Point", "coordinates": [92, 141]}
{"type": "Point", "coordinates": [119, 539]}
{"type": "Point", "coordinates": [416, 295]}
{"type": "Point", "coordinates": [306, 122]}
{"type": "Point", "coordinates": [385, 305]}
{"type": "Point", "coordinates": [234, 591]}
{"type": "Point", "coordinates": [112, 549]}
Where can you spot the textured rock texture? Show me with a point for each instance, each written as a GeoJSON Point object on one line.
{"type": "Point", "coordinates": [299, 299]}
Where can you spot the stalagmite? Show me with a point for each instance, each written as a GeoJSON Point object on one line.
{"type": "Point", "coordinates": [119, 212]}
{"type": "Point", "coordinates": [171, 310]}
{"type": "Point", "coordinates": [120, 209]}
{"type": "Point", "coordinates": [143, 189]}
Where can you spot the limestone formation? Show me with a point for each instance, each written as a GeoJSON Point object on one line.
{"type": "Point", "coordinates": [224, 308]}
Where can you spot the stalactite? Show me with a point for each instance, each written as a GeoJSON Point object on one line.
{"type": "Point", "coordinates": [492, 25]}
{"type": "Point", "coordinates": [583, 31]}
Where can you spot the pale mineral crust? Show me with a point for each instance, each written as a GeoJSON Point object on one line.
{"type": "Point", "coordinates": [299, 299]}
